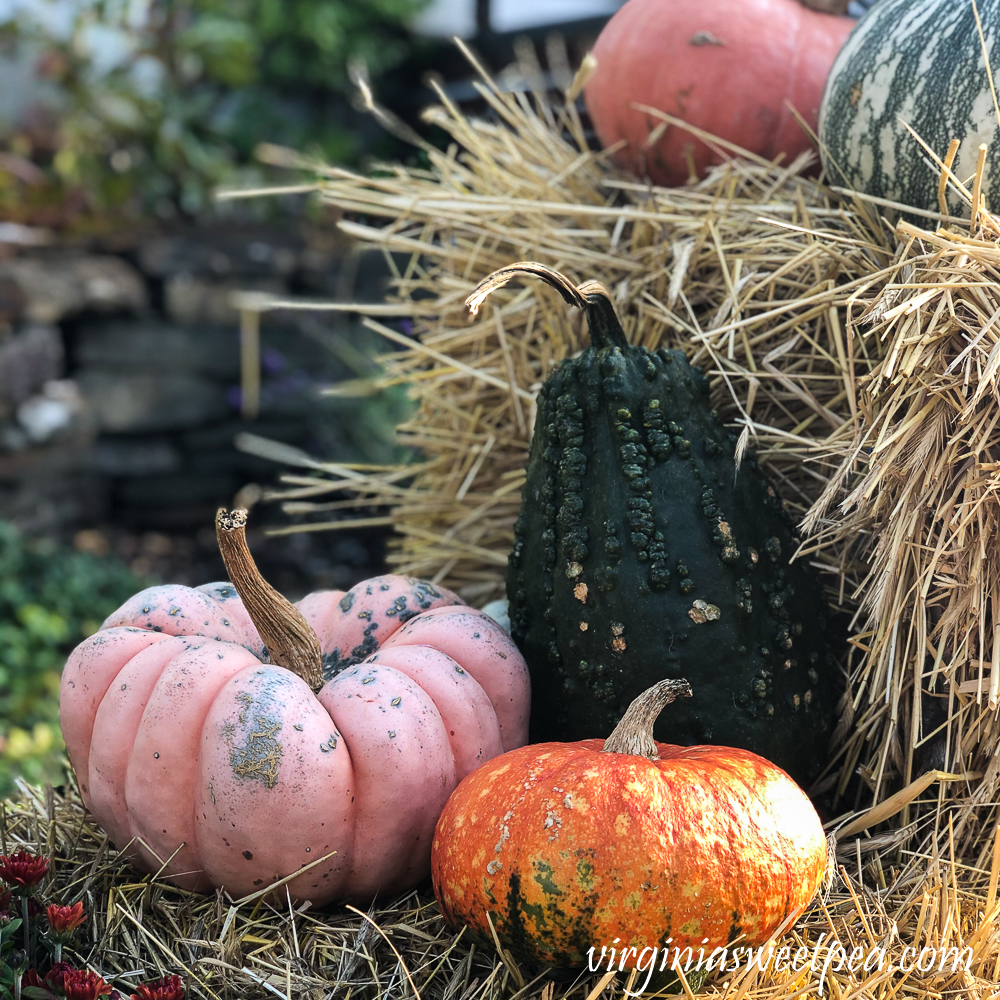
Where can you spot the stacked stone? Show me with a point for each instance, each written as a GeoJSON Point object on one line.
{"type": "Point", "coordinates": [120, 373]}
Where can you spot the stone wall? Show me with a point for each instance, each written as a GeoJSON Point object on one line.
{"type": "Point", "coordinates": [120, 392]}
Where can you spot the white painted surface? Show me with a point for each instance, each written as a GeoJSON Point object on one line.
{"type": "Point", "coordinates": [514, 15]}
{"type": "Point", "coordinates": [444, 18]}
{"type": "Point", "coordinates": [458, 17]}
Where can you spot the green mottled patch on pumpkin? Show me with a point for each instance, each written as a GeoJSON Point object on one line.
{"type": "Point", "coordinates": [585, 876]}
{"type": "Point", "coordinates": [544, 877]}
{"type": "Point", "coordinates": [260, 757]}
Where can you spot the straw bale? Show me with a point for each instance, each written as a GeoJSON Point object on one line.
{"type": "Point", "coordinates": [139, 927]}
{"type": "Point", "coordinates": [753, 299]}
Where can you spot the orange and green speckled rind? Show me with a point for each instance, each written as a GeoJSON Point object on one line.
{"type": "Point", "coordinates": [567, 848]}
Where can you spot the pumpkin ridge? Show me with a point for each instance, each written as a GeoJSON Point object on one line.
{"type": "Point", "coordinates": [120, 739]}
{"type": "Point", "coordinates": [719, 763]}
{"type": "Point", "coordinates": [564, 930]}
{"type": "Point", "coordinates": [474, 698]}
{"type": "Point", "coordinates": [254, 756]}
{"type": "Point", "coordinates": [228, 599]}
{"type": "Point", "coordinates": [75, 689]}
{"type": "Point", "coordinates": [367, 616]}
{"type": "Point", "coordinates": [505, 683]}
{"type": "Point", "coordinates": [173, 609]}
{"type": "Point", "coordinates": [374, 779]}
{"type": "Point", "coordinates": [173, 742]}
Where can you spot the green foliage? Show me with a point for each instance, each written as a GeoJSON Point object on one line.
{"type": "Point", "coordinates": [12, 961]}
{"type": "Point", "coordinates": [50, 599]}
{"type": "Point", "coordinates": [297, 43]}
{"type": "Point", "coordinates": [159, 102]}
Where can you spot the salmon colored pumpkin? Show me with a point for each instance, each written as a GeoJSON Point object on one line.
{"type": "Point", "coordinates": [227, 738]}
{"type": "Point", "coordinates": [727, 67]}
{"type": "Point", "coordinates": [568, 846]}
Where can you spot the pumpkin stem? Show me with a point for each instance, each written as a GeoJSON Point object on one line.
{"type": "Point", "coordinates": [591, 296]}
{"type": "Point", "coordinates": [634, 734]}
{"type": "Point", "coordinates": [289, 638]}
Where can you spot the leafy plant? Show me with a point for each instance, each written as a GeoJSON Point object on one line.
{"type": "Point", "coordinates": [156, 103]}
{"type": "Point", "coordinates": [37, 971]}
{"type": "Point", "coordinates": [50, 599]}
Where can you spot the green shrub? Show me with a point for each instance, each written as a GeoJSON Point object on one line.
{"type": "Point", "coordinates": [50, 599]}
{"type": "Point", "coordinates": [156, 103]}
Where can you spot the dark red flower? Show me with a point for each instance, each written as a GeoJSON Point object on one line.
{"type": "Point", "coordinates": [82, 984]}
{"type": "Point", "coordinates": [5, 901]}
{"type": "Point", "coordinates": [22, 871]}
{"type": "Point", "coordinates": [63, 920]}
{"type": "Point", "coordinates": [167, 988]}
{"type": "Point", "coordinates": [57, 974]}
{"type": "Point", "coordinates": [32, 978]}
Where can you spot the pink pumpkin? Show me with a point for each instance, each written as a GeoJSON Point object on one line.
{"type": "Point", "coordinates": [203, 760]}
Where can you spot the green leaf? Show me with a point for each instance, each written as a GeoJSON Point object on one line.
{"type": "Point", "coordinates": [47, 595]}
{"type": "Point", "coordinates": [8, 931]}
{"type": "Point", "coordinates": [37, 993]}
{"type": "Point", "coordinates": [228, 48]}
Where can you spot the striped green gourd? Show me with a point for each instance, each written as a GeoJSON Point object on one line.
{"type": "Point", "coordinates": [918, 62]}
{"type": "Point", "coordinates": [640, 553]}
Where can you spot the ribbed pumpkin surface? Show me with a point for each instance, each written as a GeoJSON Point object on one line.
{"type": "Point", "coordinates": [917, 62]}
{"type": "Point", "coordinates": [566, 847]}
{"type": "Point", "coordinates": [213, 768]}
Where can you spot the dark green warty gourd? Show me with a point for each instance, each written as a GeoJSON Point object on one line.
{"type": "Point", "coordinates": [640, 553]}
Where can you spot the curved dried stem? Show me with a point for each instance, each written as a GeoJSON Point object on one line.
{"type": "Point", "coordinates": [591, 296]}
{"type": "Point", "coordinates": [634, 734]}
{"type": "Point", "coordinates": [290, 640]}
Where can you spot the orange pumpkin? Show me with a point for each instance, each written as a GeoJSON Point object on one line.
{"type": "Point", "coordinates": [565, 847]}
{"type": "Point", "coordinates": [217, 740]}
{"type": "Point", "coordinates": [728, 67]}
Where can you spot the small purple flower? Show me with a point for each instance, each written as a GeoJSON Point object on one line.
{"type": "Point", "coordinates": [272, 361]}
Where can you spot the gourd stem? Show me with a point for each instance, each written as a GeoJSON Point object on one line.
{"type": "Point", "coordinates": [289, 638]}
{"type": "Point", "coordinates": [592, 297]}
{"type": "Point", "coordinates": [634, 734]}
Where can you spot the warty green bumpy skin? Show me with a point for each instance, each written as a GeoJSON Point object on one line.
{"type": "Point", "coordinates": [641, 554]}
{"type": "Point", "coordinates": [916, 63]}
